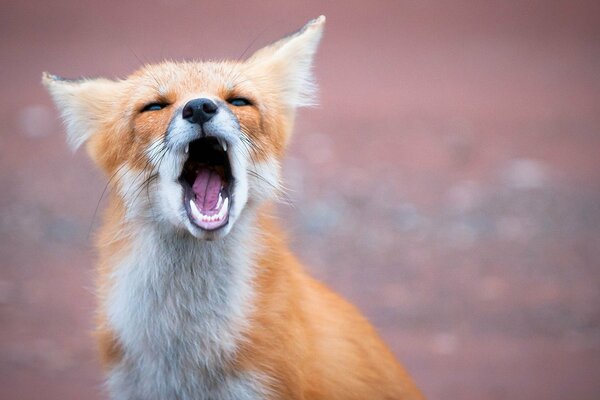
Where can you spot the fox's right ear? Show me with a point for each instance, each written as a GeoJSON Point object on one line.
{"type": "Point", "coordinates": [84, 104]}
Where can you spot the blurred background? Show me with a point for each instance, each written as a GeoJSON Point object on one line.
{"type": "Point", "coordinates": [448, 183]}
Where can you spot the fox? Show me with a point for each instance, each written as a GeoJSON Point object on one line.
{"type": "Point", "coordinates": [198, 293]}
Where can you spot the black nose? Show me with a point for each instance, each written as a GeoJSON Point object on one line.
{"type": "Point", "coordinates": [198, 111]}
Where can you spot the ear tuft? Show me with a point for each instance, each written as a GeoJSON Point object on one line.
{"type": "Point", "coordinates": [47, 78]}
{"type": "Point", "coordinates": [288, 63]}
{"type": "Point", "coordinates": [319, 22]}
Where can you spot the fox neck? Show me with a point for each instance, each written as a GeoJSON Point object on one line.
{"type": "Point", "coordinates": [175, 296]}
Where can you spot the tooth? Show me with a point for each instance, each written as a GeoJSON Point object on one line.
{"type": "Point", "coordinates": [187, 148]}
{"type": "Point", "coordinates": [224, 145]}
{"type": "Point", "coordinates": [223, 209]}
{"type": "Point", "coordinates": [195, 212]}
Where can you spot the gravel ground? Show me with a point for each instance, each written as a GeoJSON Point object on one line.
{"type": "Point", "coordinates": [448, 184]}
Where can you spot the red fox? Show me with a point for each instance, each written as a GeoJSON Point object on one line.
{"type": "Point", "coordinates": [199, 296]}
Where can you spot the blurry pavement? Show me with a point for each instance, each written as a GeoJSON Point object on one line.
{"type": "Point", "coordinates": [448, 184]}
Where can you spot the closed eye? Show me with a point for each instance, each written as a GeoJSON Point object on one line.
{"type": "Point", "coordinates": [239, 102]}
{"type": "Point", "coordinates": [154, 107]}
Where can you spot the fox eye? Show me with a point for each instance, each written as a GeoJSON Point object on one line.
{"type": "Point", "coordinates": [154, 107]}
{"type": "Point", "coordinates": [239, 102]}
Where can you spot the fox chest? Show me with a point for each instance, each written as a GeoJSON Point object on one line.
{"type": "Point", "coordinates": [173, 351]}
{"type": "Point", "coordinates": [179, 327]}
{"type": "Point", "coordinates": [147, 380]}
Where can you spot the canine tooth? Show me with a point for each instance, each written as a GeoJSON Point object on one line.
{"type": "Point", "coordinates": [223, 144]}
{"type": "Point", "coordinates": [195, 212]}
{"type": "Point", "coordinates": [187, 148]}
{"type": "Point", "coordinates": [224, 208]}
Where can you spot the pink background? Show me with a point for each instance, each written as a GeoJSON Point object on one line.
{"type": "Point", "coordinates": [448, 183]}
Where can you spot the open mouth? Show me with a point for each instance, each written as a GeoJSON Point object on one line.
{"type": "Point", "coordinates": [207, 182]}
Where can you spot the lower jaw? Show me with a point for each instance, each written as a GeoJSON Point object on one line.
{"type": "Point", "coordinates": [202, 223]}
{"type": "Point", "coordinates": [209, 226]}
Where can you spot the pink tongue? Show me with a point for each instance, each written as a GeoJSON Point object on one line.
{"type": "Point", "coordinates": [207, 187]}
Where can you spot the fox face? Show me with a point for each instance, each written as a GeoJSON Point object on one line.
{"type": "Point", "coordinates": [194, 145]}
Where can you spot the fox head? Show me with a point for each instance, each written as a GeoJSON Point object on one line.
{"type": "Point", "coordinates": [193, 145]}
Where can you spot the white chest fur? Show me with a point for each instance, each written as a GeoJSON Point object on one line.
{"type": "Point", "coordinates": [179, 307]}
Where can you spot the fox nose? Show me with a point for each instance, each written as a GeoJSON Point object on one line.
{"type": "Point", "coordinates": [198, 111]}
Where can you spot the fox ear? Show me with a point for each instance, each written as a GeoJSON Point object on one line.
{"type": "Point", "coordinates": [83, 103]}
{"type": "Point", "coordinates": [288, 64]}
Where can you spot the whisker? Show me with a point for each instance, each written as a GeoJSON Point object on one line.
{"type": "Point", "coordinates": [262, 32]}
{"type": "Point", "coordinates": [280, 191]}
{"type": "Point", "coordinates": [112, 178]}
{"type": "Point", "coordinates": [105, 189]}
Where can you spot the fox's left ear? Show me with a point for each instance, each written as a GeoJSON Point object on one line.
{"type": "Point", "coordinates": [287, 64]}
{"type": "Point", "coordinates": [85, 104]}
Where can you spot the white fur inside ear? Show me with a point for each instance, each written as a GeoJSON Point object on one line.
{"type": "Point", "coordinates": [287, 64]}
{"type": "Point", "coordinates": [83, 104]}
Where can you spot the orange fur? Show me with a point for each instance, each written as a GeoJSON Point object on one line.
{"type": "Point", "coordinates": [309, 342]}
{"type": "Point", "coordinates": [317, 345]}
